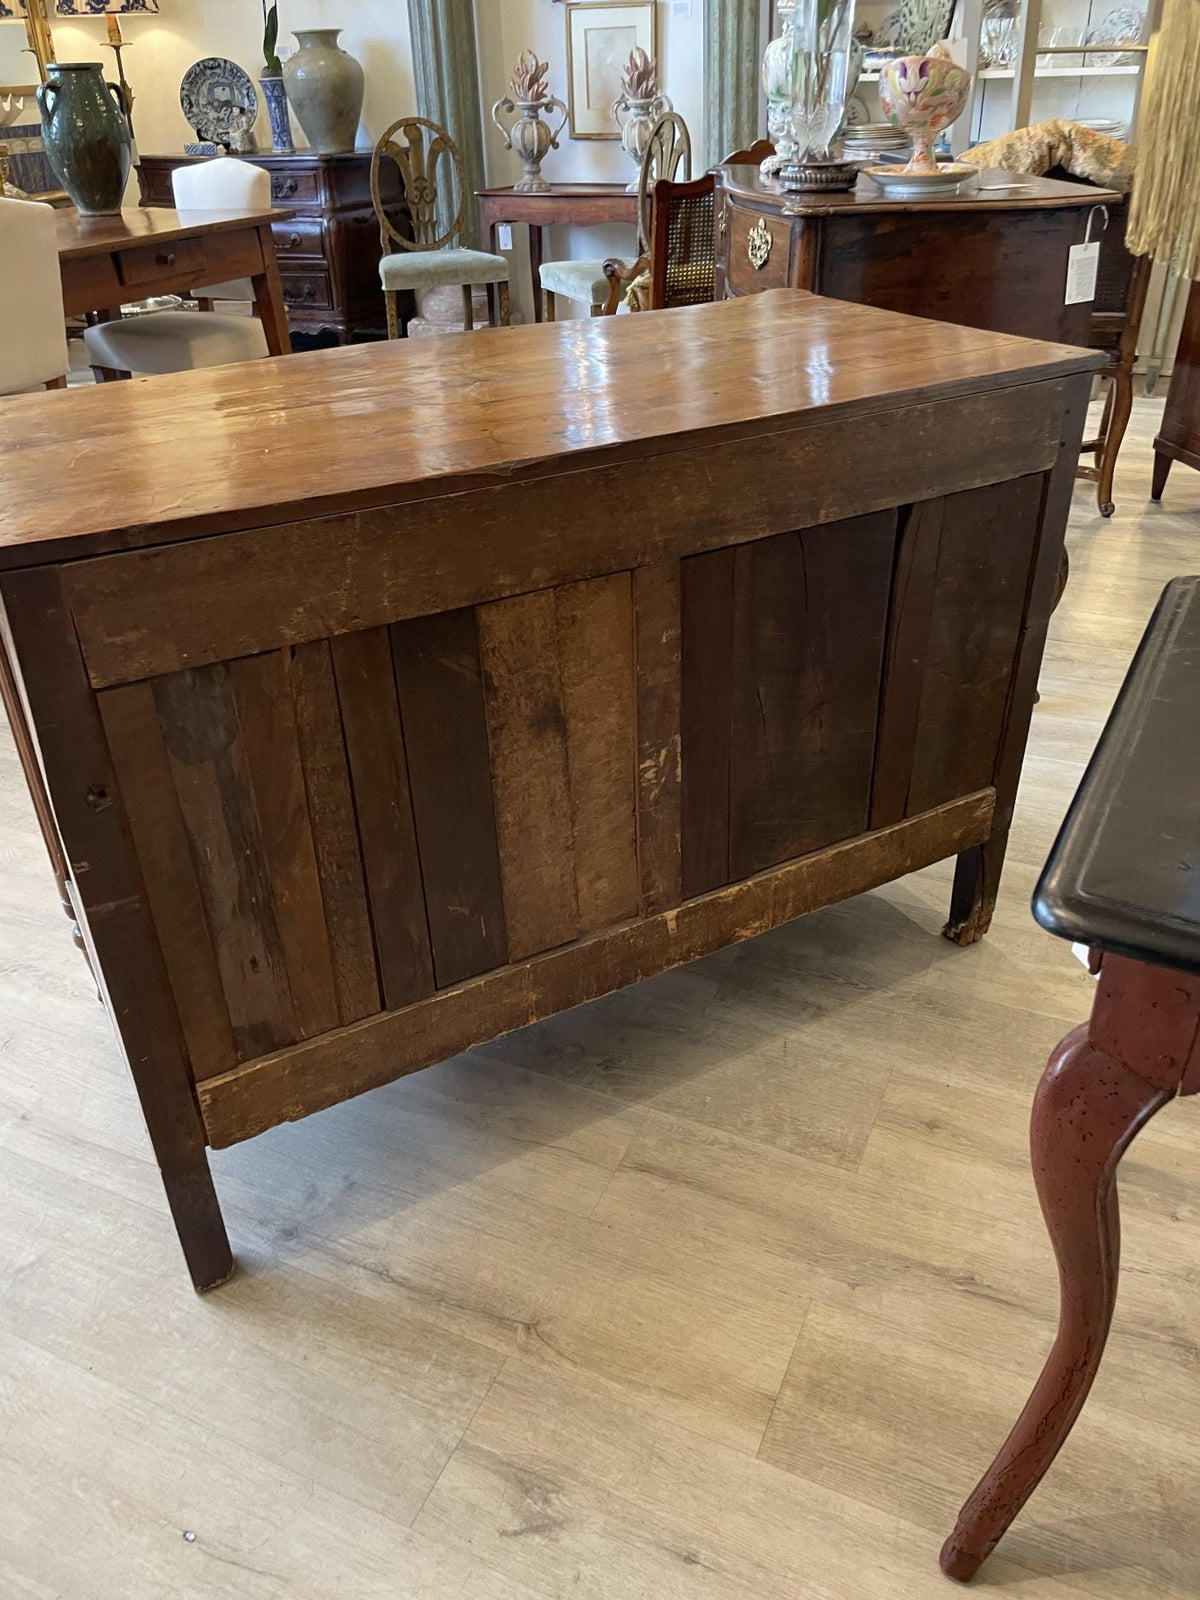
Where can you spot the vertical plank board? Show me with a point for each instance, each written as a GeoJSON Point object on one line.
{"type": "Point", "coordinates": [707, 665]}
{"type": "Point", "coordinates": [909, 617]}
{"type": "Point", "coordinates": [656, 598]}
{"type": "Point", "coordinates": [199, 724]}
{"type": "Point", "coordinates": [366, 686]}
{"type": "Point", "coordinates": [984, 561]}
{"type": "Point", "coordinates": [445, 739]}
{"type": "Point", "coordinates": [518, 649]}
{"type": "Point", "coordinates": [595, 646]}
{"type": "Point", "coordinates": [139, 758]}
{"type": "Point", "coordinates": [810, 613]}
{"type": "Point", "coordinates": [262, 698]}
{"type": "Point", "coordinates": [334, 830]}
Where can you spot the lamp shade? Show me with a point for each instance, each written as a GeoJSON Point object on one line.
{"type": "Point", "coordinates": [98, 8]}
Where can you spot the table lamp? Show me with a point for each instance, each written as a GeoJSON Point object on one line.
{"type": "Point", "coordinates": [112, 11]}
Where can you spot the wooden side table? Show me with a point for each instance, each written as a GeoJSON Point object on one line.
{"type": "Point", "coordinates": [328, 240]}
{"type": "Point", "coordinates": [581, 204]}
{"type": "Point", "coordinates": [1179, 436]}
{"type": "Point", "coordinates": [1123, 879]}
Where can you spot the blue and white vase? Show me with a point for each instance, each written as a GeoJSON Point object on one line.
{"type": "Point", "coordinates": [275, 94]}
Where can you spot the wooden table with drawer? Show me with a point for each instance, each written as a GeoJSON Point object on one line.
{"type": "Point", "coordinates": [107, 261]}
{"type": "Point", "coordinates": [328, 243]}
{"type": "Point", "coordinates": [993, 256]}
{"type": "Point", "coordinates": [452, 709]}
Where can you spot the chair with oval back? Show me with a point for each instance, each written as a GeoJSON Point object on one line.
{"type": "Point", "coordinates": [668, 151]}
{"type": "Point", "coordinates": [435, 257]}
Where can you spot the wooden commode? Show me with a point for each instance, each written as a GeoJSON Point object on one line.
{"type": "Point", "coordinates": [386, 699]}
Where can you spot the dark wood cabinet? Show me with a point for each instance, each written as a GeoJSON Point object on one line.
{"type": "Point", "coordinates": [994, 256]}
{"type": "Point", "coordinates": [328, 248]}
{"type": "Point", "coordinates": [1179, 436]}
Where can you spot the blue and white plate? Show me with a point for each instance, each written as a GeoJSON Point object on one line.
{"type": "Point", "coordinates": [217, 97]}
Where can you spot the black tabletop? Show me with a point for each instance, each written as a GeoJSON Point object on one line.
{"type": "Point", "coordinates": [1124, 874]}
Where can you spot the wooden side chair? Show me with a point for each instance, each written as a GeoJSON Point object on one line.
{"type": "Point", "coordinates": [680, 268]}
{"type": "Point", "coordinates": [433, 257]}
{"type": "Point", "coordinates": [668, 154]}
{"type": "Point", "coordinates": [33, 337]}
{"type": "Point", "coordinates": [1121, 287]}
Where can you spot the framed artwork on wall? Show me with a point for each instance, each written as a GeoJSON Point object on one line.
{"type": "Point", "coordinates": [599, 39]}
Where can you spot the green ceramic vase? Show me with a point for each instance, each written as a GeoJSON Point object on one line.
{"type": "Point", "coordinates": [86, 135]}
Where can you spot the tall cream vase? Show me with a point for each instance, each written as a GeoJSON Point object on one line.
{"type": "Point", "coordinates": [325, 87]}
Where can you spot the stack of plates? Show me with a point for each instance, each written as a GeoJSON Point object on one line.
{"type": "Point", "coordinates": [864, 141]}
{"type": "Point", "coordinates": [897, 184]}
{"type": "Point", "coordinates": [1105, 125]}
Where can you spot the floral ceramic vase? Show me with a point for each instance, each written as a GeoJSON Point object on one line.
{"type": "Point", "coordinates": [86, 135]}
{"type": "Point", "coordinates": [923, 95]}
{"type": "Point", "coordinates": [325, 88]}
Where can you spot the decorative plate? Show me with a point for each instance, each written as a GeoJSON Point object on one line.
{"type": "Point", "coordinates": [898, 184]}
{"type": "Point", "coordinates": [217, 97]}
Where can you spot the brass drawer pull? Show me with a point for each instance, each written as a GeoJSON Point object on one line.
{"type": "Point", "coordinates": [307, 291]}
{"type": "Point", "coordinates": [295, 240]}
{"type": "Point", "coordinates": [758, 245]}
{"type": "Point", "coordinates": [281, 188]}
{"type": "Point", "coordinates": [166, 258]}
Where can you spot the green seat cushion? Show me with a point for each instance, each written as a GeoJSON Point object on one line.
{"type": "Point", "coordinates": [440, 269]}
{"type": "Point", "coordinates": [576, 280]}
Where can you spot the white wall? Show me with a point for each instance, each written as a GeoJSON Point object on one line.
{"type": "Point", "coordinates": [163, 47]}
{"type": "Point", "coordinates": [505, 28]}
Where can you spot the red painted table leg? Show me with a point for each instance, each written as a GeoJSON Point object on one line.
{"type": "Point", "coordinates": [1102, 1084]}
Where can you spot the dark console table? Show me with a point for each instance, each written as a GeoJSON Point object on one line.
{"type": "Point", "coordinates": [1123, 879]}
{"type": "Point", "coordinates": [993, 256]}
{"type": "Point", "coordinates": [329, 245]}
{"type": "Point", "coordinates": [1179, 436]}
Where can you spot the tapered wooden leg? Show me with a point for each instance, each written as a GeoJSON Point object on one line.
{"type": "Point", "coordinates": [393, 320]}
{"type": "Point", "coordinates": [1087, 1109]}
{"type": "Point", "coordinates": [468, 308]}
{"type": "Point", "coordinates": [976, 885]}
{"type": "Point", "coordinates": [1117, 413]}
{"type": "Point", "coordinates": [1162, 466]}
{"type": "Point", "coordinates": [505, 311]}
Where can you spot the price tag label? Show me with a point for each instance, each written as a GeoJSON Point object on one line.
{"type": "Point", "coordinates": [504, 236]}
{"type": "Point", "coordinates": [1083, 263]}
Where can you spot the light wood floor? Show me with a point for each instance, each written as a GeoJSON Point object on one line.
{"type": "Point", "coordinates": [726, 1287]}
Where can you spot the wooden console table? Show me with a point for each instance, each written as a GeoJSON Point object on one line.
{"type": "Point", "coordinates": [454, 708]}
{"type": "Point", "coordinates": [1122, 880]}
{"type": "Point", "coordinates": [105, 261]}
{"type": "Point", "coordinates": [328, 238]}
{"type": "Point", "coordinates": [1179, 433]}
{"type": "Point", "coordinates": [566, 204]}
{"type": "Point", "coordinates": [994, 256]}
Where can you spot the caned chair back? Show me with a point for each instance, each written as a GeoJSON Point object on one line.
{"type": "Point", "coordinates": [668, 155]}
{"type": "Point", "coordinates": [223, 184]}
{"type": "Point", "coordinates": [431, 170]}
{"type": "Point", "coordinates": [683, 253]}
{"type": "Point", "coordinates": [33, 338]}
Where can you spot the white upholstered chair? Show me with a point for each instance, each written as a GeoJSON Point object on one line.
{"type": "Point", "coordinates": [668, 154]}
{"type": "Point", "coordinates": [33, 334]}
{"type": "Point", "coordinates": [180, 341]}
{"type": "Point", "coordinates": [434, 257]}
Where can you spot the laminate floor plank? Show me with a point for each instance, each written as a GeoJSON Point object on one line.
{"type": "Point", "coordinates": [723, 1287]}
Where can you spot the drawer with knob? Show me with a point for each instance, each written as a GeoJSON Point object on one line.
{"type": "Point", "coordinates": [307, 291]}
{"type": "Point", "coordinates": [301, 236]}
{"type": "Point", "coordinates": [295, 188]}
{"type": "Point", "coordinates": [153, 263]}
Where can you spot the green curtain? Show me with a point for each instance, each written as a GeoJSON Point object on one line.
{"type": "Point", "coordinates": [733, 47]}
{"type": "Point", "coordinates": [446, 67]}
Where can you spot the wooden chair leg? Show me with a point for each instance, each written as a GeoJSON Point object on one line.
{"type": "Point", "coordinates": [505, 307]}
{"type": "Point", "coordinates": [393, 319]}
{"type": "Point", "coordinates": [1088, 1107]}
{"type": "Point", "coordinates": [468, 308]}
{"type": "Point", "coordinates": [1162, 466]}
{"type": "Point", "coordinates": [551, 306]}
{"type": "Point", "coordinates": [1117, 412]}
{"type": "Point", "coordinates": [109, 375]}
{"type": "Point", "coordinates": [56, 383]}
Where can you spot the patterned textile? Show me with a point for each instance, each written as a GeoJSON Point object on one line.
{"type": "Point", "coordinates": [1080, 151]}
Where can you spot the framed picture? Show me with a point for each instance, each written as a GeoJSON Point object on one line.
{"type": "Point", "coordinates": [599, 39]}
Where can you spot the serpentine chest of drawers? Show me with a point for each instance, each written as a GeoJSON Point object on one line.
{"type": "Point", "coordinates": [328, 248]}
